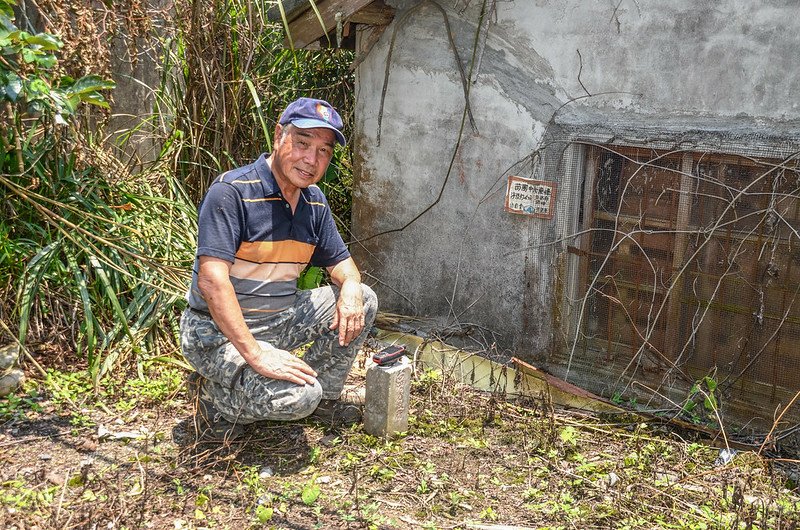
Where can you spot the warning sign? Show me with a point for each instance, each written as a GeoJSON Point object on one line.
{"type": "Point", "coordinates": [536, 198]}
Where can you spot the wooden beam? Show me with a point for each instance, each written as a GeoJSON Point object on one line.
{"type": "Point", "coordinates": [292, 8]}
{"type": "Point", "coordinates": [307, 28]}
{"type": "Point", "coordinates": [375, 14]}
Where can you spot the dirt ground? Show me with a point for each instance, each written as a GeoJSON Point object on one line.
{"type": "Point", "coordinates": [468, 460]}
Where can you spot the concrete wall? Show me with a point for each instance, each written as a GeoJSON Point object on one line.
{"type": "Point", "coordinates": [703, 57]}
{"type": "Point", "coordinates": [136, 65]}
{"type": "Point", "coordinates": [99, 41]}
{"type": "Point", "coordinates": [662, 61]}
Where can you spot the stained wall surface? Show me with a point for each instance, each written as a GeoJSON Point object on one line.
{"type": "Point", "coordinates": [428, 203]}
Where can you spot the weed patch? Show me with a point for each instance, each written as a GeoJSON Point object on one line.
{"type": "Point", "coordinates": [468, 459]}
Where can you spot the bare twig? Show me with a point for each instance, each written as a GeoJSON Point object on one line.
{"type": "Point", "coordinates": [464, 85]}
{"type": "Point", "coordinates": [580, 69]}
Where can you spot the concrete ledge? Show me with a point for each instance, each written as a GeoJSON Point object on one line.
{"type": "Point", "coordinates": [516, 380]}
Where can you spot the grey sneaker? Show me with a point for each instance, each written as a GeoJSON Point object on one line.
{"type": "Point", "coordinates": [354, 394]}
{"type": "Point", "coordinates": [336, 412]}
{"type": "Point", "coordinates": [209, 423]}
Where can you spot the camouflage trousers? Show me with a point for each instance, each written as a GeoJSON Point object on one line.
{"type": "Point", "coordinates": [242, 395]}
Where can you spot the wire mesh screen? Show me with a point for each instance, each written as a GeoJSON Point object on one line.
{"type": "Point", "coordinates": [688, 275]}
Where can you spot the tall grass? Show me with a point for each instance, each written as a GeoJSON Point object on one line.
{"type": "Point", "coordinates": [106, 259]}
{"type": "Point", "coordinates": [237, 78]}
{"type": "Point", "coordinates": [87, 257]}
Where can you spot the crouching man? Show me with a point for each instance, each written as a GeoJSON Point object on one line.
{"type": "Point", "coordinates": [258, 227]}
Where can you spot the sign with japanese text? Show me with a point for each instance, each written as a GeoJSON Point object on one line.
{"type": "Point", "coordinates": [536, 198]}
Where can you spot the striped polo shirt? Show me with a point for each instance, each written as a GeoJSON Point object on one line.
{"type": "Point", "coordinates": [245, 220]}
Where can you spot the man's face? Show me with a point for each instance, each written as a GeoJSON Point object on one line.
{"type": "Point", "coordinates": [301, 156]}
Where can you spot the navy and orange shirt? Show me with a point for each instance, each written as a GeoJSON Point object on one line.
{"type": "Point", "coordinates": [245, 220]}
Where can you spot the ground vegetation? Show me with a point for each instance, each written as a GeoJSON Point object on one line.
{"type": "Point", "coordinates": [128, 459]}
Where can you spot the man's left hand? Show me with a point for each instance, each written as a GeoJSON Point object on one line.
{"type": "Point", "coordinates": [349, 316]}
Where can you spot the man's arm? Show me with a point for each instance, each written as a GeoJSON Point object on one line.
{"type": "Point", "coordinates": [349, 317]}
{"type": "Point", "coordinates": [214, 283]}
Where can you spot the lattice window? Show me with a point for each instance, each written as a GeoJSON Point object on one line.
{"type": "Point", "coordinates": [691, 266]}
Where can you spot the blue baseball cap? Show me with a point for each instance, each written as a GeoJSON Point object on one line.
{"type": "Point", "coordinates": [308, 113]}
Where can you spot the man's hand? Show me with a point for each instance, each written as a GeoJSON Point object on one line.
{"type": "Point", "coordinates": [280, 364]}
{"type": "Point", "coordinates": [214, 282]}
{"type": "Point", "coordinates": [349, 316]}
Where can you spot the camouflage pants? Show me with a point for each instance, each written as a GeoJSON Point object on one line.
{"type": "Point", "coordinates": [242, 395]}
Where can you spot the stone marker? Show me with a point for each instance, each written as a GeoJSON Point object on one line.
{"type": "Point", "coordinates": [9, 354]}
{"type": "Point", "coordinates": [11, 381]}
{"type": "Point", "coordinates": [386, 400]}
{"type": "Point", "coordinates": [11, 377]}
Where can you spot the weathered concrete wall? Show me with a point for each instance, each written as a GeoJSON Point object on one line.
{"type": "Point", "coordinates": [662, 61]}
{"type": "Point", "coordinates": [123, 41]}
{"type": "Point", "coordinates": [136, 64]}
{"type": "Point", "coordinates": [683, 57]}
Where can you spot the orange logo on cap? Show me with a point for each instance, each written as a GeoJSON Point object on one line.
{"type": "Point", "coordinates": [324, 111]}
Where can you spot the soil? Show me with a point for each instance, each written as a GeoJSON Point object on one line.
{"type": "Point", "coordinates": [468, 460]}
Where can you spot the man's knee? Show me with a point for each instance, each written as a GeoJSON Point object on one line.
{"type": "Point", "coordinates": [273, 399]}
{"type": "Point", "coordinates": [294, 403]}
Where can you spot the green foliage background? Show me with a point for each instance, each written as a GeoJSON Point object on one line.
{"type": "Point", "coordinates": [94, 257]}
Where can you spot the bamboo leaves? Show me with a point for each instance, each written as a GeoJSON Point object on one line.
{"type": "Point", "coordinates": [28, 291]}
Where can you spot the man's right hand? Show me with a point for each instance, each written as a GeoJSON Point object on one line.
{"type": "Point", "coordinates": [213, 280]}
{"type": "Point", "coordinates": [280, 364]}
